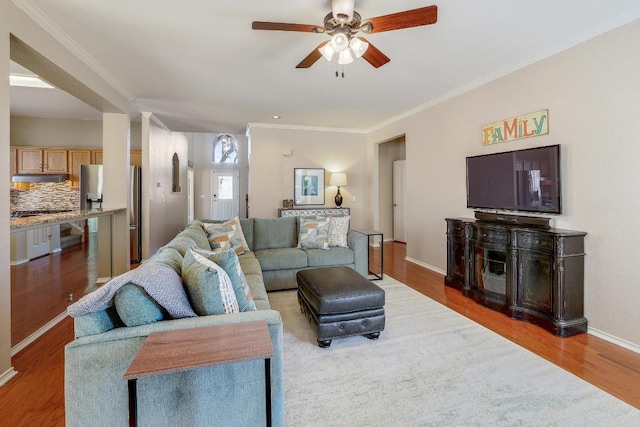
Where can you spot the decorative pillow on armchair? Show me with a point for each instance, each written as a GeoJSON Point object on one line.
{"type": "Point", "coordinates": [313, 233]}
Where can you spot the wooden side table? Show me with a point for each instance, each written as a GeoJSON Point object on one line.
{"type": "Point", "coordinates": [185, 349]}
{"type": "Point", "coordinates": [370, 234]}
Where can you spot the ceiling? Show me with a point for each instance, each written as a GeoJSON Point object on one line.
{"type": "Point", "coordinates": [198, 65]}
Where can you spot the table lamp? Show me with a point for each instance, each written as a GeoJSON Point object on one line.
{"type": "Point", "coordinates": [338, 179]}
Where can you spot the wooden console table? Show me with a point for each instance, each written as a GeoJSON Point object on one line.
{"type": "Point", "coordinates": [185, 349]}
{"type": "Point", "coordinates": [529, 273]}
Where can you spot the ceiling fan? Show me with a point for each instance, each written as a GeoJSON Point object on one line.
{"type": "Point", "coordinates": [343, 23]}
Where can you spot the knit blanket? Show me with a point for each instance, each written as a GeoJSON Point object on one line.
{"type": "Point", "coordinates": [161, 282]}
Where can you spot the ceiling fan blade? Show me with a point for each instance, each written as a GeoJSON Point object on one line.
{"type": "Point", "coordinates": [397, 21]}
{"type": "Point", "coordinates": [374, 56]}
{"type": "Point", "coordinates": [312, 57]}
{"type": "Point", "coordinates": [281, 26]}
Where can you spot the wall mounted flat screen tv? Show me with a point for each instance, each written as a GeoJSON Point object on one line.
{"type": "Point", "coordinates": [521, 180]}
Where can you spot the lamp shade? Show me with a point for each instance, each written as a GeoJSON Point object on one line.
{"type": "Point", "coordinates": [338, 178]}
{"type": "Point", "coordinates": [345, 57]}
{"type": "Point", "coordinates": [359, 46]}
{"type": "Point", "coordinates": [327, 51]}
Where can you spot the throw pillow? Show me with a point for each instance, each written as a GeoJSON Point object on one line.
{"type": "Point", "coordinates": [208, 286]}
{"type": "Point", "coordinates": [219, 237]}
{"type": "Point", "coordinates": [338, 229]}
{"type": "Point", "coordinates": [230, 263]}
{"type": "Point", "coordinates": [135, 307]}
{"type": "Point", "coordinates": [313, 233]}
{"type": "Point", "coordinates": [238, 241]}
{"type": "Point", "coordinates": [233, 228]}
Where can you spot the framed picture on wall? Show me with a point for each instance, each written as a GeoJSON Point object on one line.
{"type": "Point", "coordinates": [308, 186]}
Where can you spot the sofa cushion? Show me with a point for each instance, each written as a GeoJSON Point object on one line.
{"type": "Point", "coordinates": [281, 259]}
{"type": "Point", "coordinates": [228, 260]}
{"type": "Point", "coordinates": [334, 256]}
{"type": "Point", "coordinates": [196, 232]}
{"type": "Point", "coordinates": [247, 231]}
{"type": "Point", "coordinates": [135, 307]}
{"type": "Point", "coordinates": [250, 264]}
{"type": "Point", "coordinates": [181, 243]}
{"type": "Point", "coordinates": [313, 232]}
{"type": "Point", "coordinates": [168, 256]}
{"type": "Point", "coordinates": [208, 286]}
{"type": "Point", "coordinates": [273, 233]}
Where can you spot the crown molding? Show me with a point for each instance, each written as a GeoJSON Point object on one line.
{"type": "Point", "coordinates": [63, 38]}
{"type": "Point", "coordinates": [301, 127]}
{"type": "Point", "coordinates": [585, 36]}
{"type": "Point", "coordinates": [153, 118]}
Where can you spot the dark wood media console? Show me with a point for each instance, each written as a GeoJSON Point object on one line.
{"type": "Point", "coordinates": [530, 273]}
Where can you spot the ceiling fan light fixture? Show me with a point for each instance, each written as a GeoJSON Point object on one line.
{"type": "Point", "coordinates": [345, 57]}
{"type": "Point", "coordinates": [359, 46]}
{"type": "Point", "coordinates": [339, 42]}
{"type": "Point", "coordinates": [342, 10]}
{"type": "Point", "coordinates": [327, 51]}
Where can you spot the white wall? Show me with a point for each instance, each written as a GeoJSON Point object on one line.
{"type": "Point", "coordinates": [201, 154]}
{"type": "Point", "coordinates": [39, 132]}
{"type": "Point", "coordinates": [165, 213]}
{"type": "Point", "coordinates": [592, 94]}
{"type": "Point", "coordinates": [271, 172]}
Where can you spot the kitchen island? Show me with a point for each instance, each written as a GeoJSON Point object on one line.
{"type": "Point", "coordinates": [36, 221]}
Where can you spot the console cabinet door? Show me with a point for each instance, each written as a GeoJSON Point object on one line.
{"type": "Point", "coordinates": [535, 282]}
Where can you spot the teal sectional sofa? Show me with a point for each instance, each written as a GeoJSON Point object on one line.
{"type": "Point", "coordinates": [226, 395]}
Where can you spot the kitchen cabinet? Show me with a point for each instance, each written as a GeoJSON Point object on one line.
{"type": "Point", "coordinates": [96, 157]}
{"type": "Point", "coordinates": [135, 158]}
{"type": "Point", "coordinates": [36, 160]}
{"type": "Point", "coordinates": [77, 158]}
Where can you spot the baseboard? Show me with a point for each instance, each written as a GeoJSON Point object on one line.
{"type": "Point", "coordinates": [7, 375]}
{"type": "Point", "coordinates": [20, 261]}
{"type": "Point", "coordinates": [102, 280]}
{"type": "Point", "coordinates": [614, 340]}
{"type": "Point", "coordinates": [427, 266]}
{"type": "Point", "coordinates": [37, 334]}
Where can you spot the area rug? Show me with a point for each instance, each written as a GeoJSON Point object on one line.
{"type": "Point", "coordinates": [430, 367]}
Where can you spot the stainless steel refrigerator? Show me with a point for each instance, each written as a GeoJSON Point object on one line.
{"type": "Point", "coordinates": [91, 184]}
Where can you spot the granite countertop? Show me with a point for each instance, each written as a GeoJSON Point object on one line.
{"type": "Point", "coordinates": [26, 223]}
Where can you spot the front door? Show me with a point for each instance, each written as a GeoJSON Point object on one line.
{"type": "Point", "coordinates": [225, 194]}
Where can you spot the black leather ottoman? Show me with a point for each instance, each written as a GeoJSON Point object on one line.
{"type": "Point", "coordinates": [339, 302]}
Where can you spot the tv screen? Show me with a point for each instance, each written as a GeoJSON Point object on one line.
{"type": "Point", "coordinates": [521, 180]}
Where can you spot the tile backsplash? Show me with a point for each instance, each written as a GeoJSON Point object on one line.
{"type": "Point", "coordinates": [46, 195]}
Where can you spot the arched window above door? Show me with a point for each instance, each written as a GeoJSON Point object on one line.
{"type": "Point", "coordinates": [225, 149]}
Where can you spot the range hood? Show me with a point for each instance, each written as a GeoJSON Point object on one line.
{"type": "Point", "coordinates": [52, 177]}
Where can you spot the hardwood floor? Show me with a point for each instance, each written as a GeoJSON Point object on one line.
{"type": "Point", "coordinates": [35, 397]}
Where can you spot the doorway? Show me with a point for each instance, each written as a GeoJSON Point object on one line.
{"type": "Point", "coordinates": [225, 194]}
{"type": "Point", "coordinates": [391, 189]}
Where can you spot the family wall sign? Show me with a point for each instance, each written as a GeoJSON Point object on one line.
{"type": "Point", "coordinates": [526, 126]}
